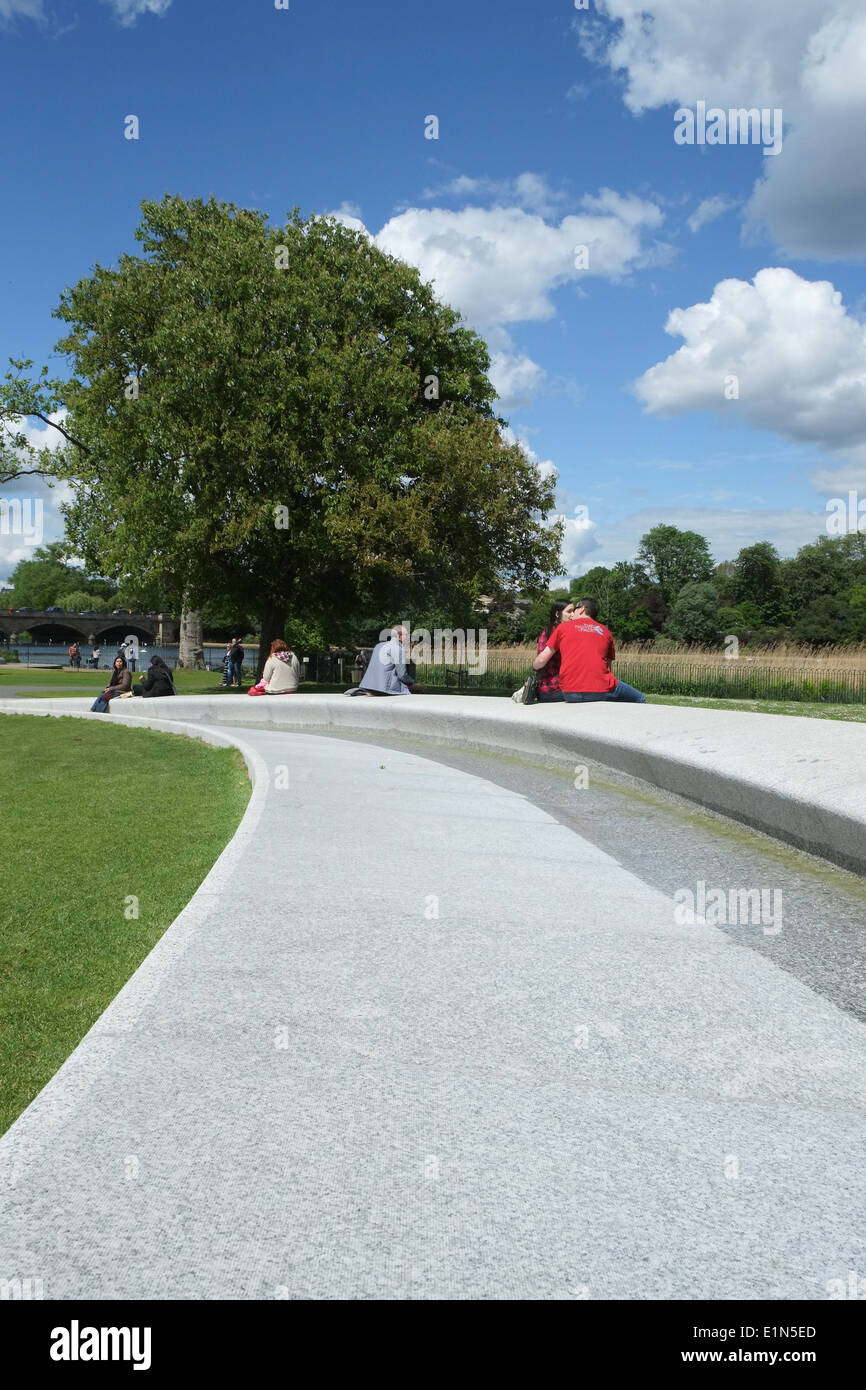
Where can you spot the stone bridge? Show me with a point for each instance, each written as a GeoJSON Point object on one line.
{"type": "Point", "coordinates": [153, 628]}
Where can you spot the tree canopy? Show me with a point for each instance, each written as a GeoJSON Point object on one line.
{"type": "Point", "coordinates": [288, 417]}
{"type": "Point", "coordinates": [673, 558]}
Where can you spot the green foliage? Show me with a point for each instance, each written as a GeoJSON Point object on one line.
{"type": "Point", "coordinates": [741, 620]}
{"type": "Point", "coordinates": [46, 579]}
{"type": "Point", "coordinates": [78, 601]}
{"type": "Point", "coordinates": [830, 619]}
{"type": "Point", "coordinates": [829, 567]}
{"type": "Point", "coordinates": [537, 619]}
{"type": "Point", "coordinates": [628, 603]}
{"type": "Point", "coordinates": [757, 581]}
{"type": "Point", "coordinates": [673, 558]}
{"type": "Point", "coordinates": [725, 577]}
{"type": "Point", "coordinates": [694, 617]}
{"type": "Point", "coordinates": [253, 401]}
{"type": "Point", "coordinates": [504, 629]}
{"type": "Point", "coordinates": [305, 636]}
{"type": "Point", "coordinates": [22, 397]}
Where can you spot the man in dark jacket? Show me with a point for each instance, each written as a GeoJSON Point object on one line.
{"type": "Point", "coordinates": [158, 680]}
{"type": "Point", "coordinates": [236, 662]}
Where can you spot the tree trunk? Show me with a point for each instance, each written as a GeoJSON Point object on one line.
{"type": "Point", "coordinates": [273, 625]}
{"type": "Point", "coordinates": [191, 653]}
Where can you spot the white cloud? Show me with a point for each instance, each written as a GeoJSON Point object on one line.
{"type": "Point", "coordinates": [726, 529]}
{"type": "Point", "coordinates": [30, 488]}
{"type": "Point", "coordinates": [530, 191]}
{"type": "Point", "coordinates": [813, 198]}
{"type": "Point", "coordinates": [805, 57]}
{"type": "Point", "coordinates": [545, 467]}
{"type": "Point", "coordinates": [579, 542]}
{"type": "Point", "coordinates": [799, 357]}
{"type": "Point", "coordinates": [350, 216]}
{"type": "Point", "coordinates": [500, 264]}
{"type": "Point", "coordinates": [579, 531]}
{"type": "Point", "coordinates": [835, 62]}
{"type": "Point", "coordinates": [128, 11]}
{"type": "Point", "coordinates": [37, 434]}
{"type": "Point", "coordinates": [29, 9]}
{"type": "Point", "coordinates": [517, 379]}
{"type": "Point", "coordinates": [673, 51]}
{"type": "Point", "coordinates": [708, 211]}
{"type": "Point", "coordinates": [850, 475]}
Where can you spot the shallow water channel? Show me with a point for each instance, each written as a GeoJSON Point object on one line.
{"type": "Point", "coordinates": [672, 844]}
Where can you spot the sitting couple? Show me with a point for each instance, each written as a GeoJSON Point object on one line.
{"type": "Point", "coordinates": [575, 653]}
{"type": "Point", "coordinates": [158, 681]}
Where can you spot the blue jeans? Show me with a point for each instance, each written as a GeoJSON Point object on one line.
{"type": "Point", "coordinates": [620, 691]}
{"type": "Point", "coordinates": [237, 671]}
{"type": "Point", "coordinates": [99, 706]}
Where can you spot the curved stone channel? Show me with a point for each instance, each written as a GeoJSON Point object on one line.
{"type": "Point", "coordinates": [425, 1039]}
{"type": "Point", "coordinates": [671, 844]}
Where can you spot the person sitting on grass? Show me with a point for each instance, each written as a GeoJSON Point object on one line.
{"type": "Point", "coordinates": [119, 684]}
{"type": "Point", "coordinates": [158, 680]}
{"type": "Point", "coordinates": [587, 651]}
{"type": "Point", "coordinates": [282, 672]}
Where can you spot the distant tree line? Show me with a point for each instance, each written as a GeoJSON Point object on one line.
{"type": "Point", "coordinates": [674, 592]}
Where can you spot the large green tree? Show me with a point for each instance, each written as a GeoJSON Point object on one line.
{"type": "Point", "coordinates": [694, 616]}
{"type": "Point", "coordinates": [758, 580]}
{"type": "Point", "coordinates": [673, 558]}
{"type": "Point", "coordinates": [628, 603]}
{"type": "Point", "coordinates": [829, 567]}
{"type": "Point", "coordinates": [288, 418]}
{"type": "Point", "coordinates": [47, 579]}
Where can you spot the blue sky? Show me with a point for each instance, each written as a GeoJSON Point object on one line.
{"type": "Point", "coordinates": [556, 129]}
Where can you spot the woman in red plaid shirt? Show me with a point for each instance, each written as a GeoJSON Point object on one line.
{"type": "Point", "coordinates": [548, 684]}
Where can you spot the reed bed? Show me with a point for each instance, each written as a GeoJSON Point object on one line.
{"type": "Point", "coordinates": [786, 672]}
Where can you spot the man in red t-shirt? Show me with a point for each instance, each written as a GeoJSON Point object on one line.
{"type": "Point", "coordinates": [586, 650]}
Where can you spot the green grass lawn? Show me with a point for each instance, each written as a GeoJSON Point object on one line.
{"type": "Point", "coordinates": [81, 682]}
{"type": "Point", "coordinates": [805, 708]}
{"type": "Point", "coordinates": [94, 815]}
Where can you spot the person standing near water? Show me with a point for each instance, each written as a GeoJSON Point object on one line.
{"type": "Point", "coordinates": [236, 660]}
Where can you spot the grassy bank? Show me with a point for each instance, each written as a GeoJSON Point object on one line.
{"type": "Point", "coordinates": [99, 823]}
